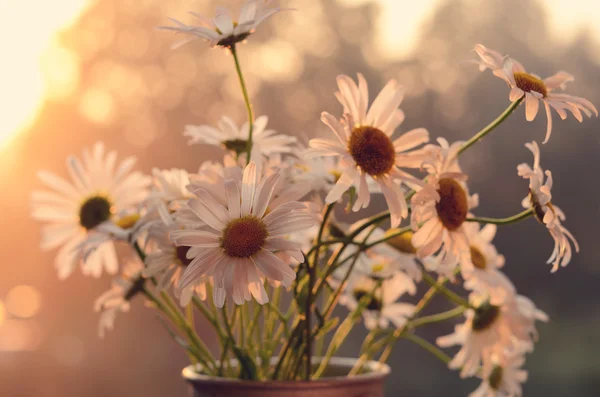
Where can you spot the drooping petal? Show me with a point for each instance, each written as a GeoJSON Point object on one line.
{"type": "Point", "coordinates": [531, 106]}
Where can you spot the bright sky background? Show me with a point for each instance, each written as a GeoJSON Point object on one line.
{"type": "Point", "coordinates": [38, 67]}
{"type": "Point", "coordinates": [400, 20]}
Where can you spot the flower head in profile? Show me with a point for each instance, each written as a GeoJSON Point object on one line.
{"type": "Point", "coordinates": [491, 329]}
{"type": "Point", "coordinates": [382, 306]}
{"type": "Point", "coordinates": [504, 377]}
{"type": "Point", "coordinates": [439, 209]}
{"type": "Point", "coordinates": [383, 261]}
{"type": "Point", "coordinates": [170, 187]}
{"type": "Point", "coordinates": [364, 143]}
{"type": "Point", "coordinates": [534, 89]}
{"type": "Point", "coordinates": [484, 275]}
{"type": "Point", "coordinates": [117, 300]}
{"type": "Point", "coordinates": [238, 246]}
{"type": "Point", "coordinates": [167, 262]}
{"type": "Point", "coordinates": [320, 173]}
{"type": "Point", "coordinates": [228, 135]}
{"type": "Point", "coordinates": [539, 200]}
{"type": "Point", "coordinates": [97, 193]}
{"type": "Point", "coordinates": [223, 30]}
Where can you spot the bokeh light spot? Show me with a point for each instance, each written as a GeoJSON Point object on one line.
{"type": "Point", "coordinates": [61, 72]}
{"type": "Point", "coordinates": [19, 335]}
{"type": "Point", "coordinates": [23, 301]}
{"type": "Point", "coordinates": [2, 313]}
{"type": "Point", "coordinates": [97, 106]}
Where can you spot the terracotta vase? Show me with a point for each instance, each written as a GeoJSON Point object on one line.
{"type": "Point", "coordinates": [333, 384]}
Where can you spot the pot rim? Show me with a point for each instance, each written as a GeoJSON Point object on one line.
{"type": "Point", "coordinates": [377, 372]}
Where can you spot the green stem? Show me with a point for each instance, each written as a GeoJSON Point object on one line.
{"type": "Point", "coordinates": [187, 329]}
{"type": "Point", "coordinates": [209, 317]}
{"type": "Point", "coordinates": [389, 342]}
{"type": "Point", "coordinates": [325, 243]}
{"type": "Point", "coordinates": [344, 329]}
{"type": "Point", "coordinates": [309, 297]}
{"type": "Point", "coordinates": [199, 355]}
{"type": "Point", "coordinates": [253, 324]}
{"type": "Point", "coordinates": [487, 129]}
{"type": "Point", "coordinates": [246, 100]}
{"type": "Point", "coordinates": [438, 317]}
{"type": "Point", "coordinates": [139, 251]}
{"type": "Point", "coordinates": [243, 313]}
{"type": "Point", "coordinates": [452, 296]}
{"type": "Point", "coordinates": [431, 348]}
{"type": "Point", "coordinates": [177, 317]}
{"type": "Point", "coordinates": [504, 221]}
{"type": "Point", "coordinates": [388, 237]}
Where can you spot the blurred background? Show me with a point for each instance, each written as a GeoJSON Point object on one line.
{"type": "Point", "coordinates": [75, 72]}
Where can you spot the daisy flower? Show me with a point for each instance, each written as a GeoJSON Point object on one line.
{"type": "Point", "coordinates": [97, 193]}
{"type": "Point", "coordinates": [228, 136]}
{"type": "Point", "coordinates": [382, 308]}
{"type": "Point", "coordinates": [366, 148]}
{"type": "Point", "coordinates": [167, 262]}
{"type": "Point", "coordinates": [222, 30]}
{"type": "Point", "coordinates": [238, 245]}
{"type": "Point", "coordinates": [385, 260]}
{"type": "Point", "coordinates": [117, 299]}
{"type": "Point", "coordinates": [170, 187]}
{"type": "Point", "coordinates": [540, 200]}
{"type": "Point", "coordinates": [505, 376]}
{"type": "Point", "coordinates": [534, 89]}
{"type": "Point", "coordinates": [484, 276]}
{"type": "Point", "coordinates": [439, 209]}
{"type": "Point", "coordinates": [320, 173]}
{"type": "Point", "coordinates": [491, 329]}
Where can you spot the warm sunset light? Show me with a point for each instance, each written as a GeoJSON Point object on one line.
{"type": "Point", "coordinates": [30, 70]}
{"type": "Point", "coordinates": [277, 197]}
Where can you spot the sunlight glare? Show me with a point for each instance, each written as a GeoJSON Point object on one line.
{"type": "Point", "coordinates": [36, 23]}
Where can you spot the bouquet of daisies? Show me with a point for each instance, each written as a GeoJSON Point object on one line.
{"type": "Point", "coordinates": [256, 244]}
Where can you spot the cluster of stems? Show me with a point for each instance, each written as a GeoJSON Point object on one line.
{"type": "Point", "coordinates": [262, 342]}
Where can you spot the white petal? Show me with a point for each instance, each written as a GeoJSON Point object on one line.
{"type": "Point", "coordinates": [195, 238]}
{"type": "Point", "coordinates": [327, 147]}
{"type": "Point", "coordinates": [273, 267]}
{"type": "Point", "coordinates": [532, 105]}
{"type": "Point", "coordinates": [206, 214]}
{"type": "Point", "coordinates": [283, 210]}
{"type": "Point", "coordinates": [248, 188]}
{"type": "Point", "coordinates": [232, 192]}
{"type": "Point", "coordinates": [223, 22]}
{"type": "Point", "coordinates": [411, 139]}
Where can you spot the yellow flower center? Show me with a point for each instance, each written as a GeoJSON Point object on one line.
{"type": "Point", "coordinates": [377, 267]}
{"type": "Point", "coordinates": [94, 211]}
{"type": "Point", "coordinates": [529, 83]}
{"type": "Point", "coordinates": [485, 316]}
{"type": "Point", "coordinates": [244, 237]}
{"type": "Point", "coordinates": [495, 379]}
{"type": "Point", "coordinates": [372, 150]}
{"type": "Point", "coordinates": [336, 175]}
{"type": "Point", "coordinates": [478, 259]}
{"type": "Point", "coordinates": [403, 242]}
{"type": "Point", "coordinates": [453, 206]}
{"type": "Point", "coordinates": [128, 221]}
{"type": "Point", "coordinates": [181, 253]}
